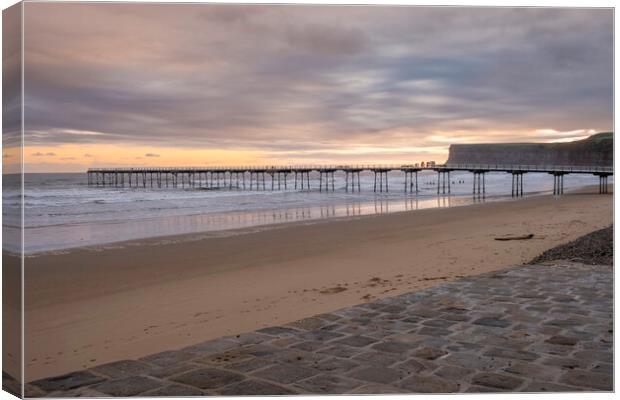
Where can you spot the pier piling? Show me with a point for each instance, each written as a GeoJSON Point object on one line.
{"type": "Point", "coordinates": [411, 180]}
{"type": "Point", "coordinates": [479, 184]}
{"type": "Point", "coordinates": [517, 184]}
{"type": "Point", "coordinates": [603, 186]}
{"type": "Point", "coordinates": [443, 181]}
{"type": "Point", "coordinates": [381, 176]}
{"type": "Point", "coordinates": [558, 183]}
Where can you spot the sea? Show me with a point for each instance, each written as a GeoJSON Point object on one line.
{"type": "Point", "coordinates": [61, 211]}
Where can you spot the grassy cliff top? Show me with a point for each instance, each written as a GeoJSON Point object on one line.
{"type": "Point", "coordinates": [598, 137]}
{"type": "Point", "coordinates": [595, 139]}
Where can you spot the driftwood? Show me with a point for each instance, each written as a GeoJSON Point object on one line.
{"type": "Point", "coordinates": [524, 237]}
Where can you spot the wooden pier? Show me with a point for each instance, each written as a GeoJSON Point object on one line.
{"type": "Point", "coordinates": [254, 178]}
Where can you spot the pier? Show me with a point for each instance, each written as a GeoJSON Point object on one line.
{"type": "Point", "coordinates": [278, 177]}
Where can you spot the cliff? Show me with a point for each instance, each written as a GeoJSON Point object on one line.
{"type": "Point", "coordinates": [596, 150]}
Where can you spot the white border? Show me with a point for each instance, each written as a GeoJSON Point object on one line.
{"type": "Point", "coordinates": [475, 3]}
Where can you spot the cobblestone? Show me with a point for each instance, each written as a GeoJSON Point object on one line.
{"type": "Point", "coordinates": [254, 387]}
{"type": "Point", "coordinates": [130, 386]}
{"type": "Point", "coordinates": [429, 384]}
{"type": "Point", "coordinates": [208, 378]}
{"type": "Point", "coordinates": [532, 328]}
{"type": "Point", "coordinates": [498, 381]}
{"type": "Point", "coordinates": [123, 368]}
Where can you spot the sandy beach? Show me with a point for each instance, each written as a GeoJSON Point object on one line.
{"type": "Point", "coordinates": [90, 306]}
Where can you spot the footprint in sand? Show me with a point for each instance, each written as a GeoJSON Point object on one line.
{"type": "Point", "coordinates": [374, 281]}
{"type": "Point", "coordinates": [333, 290]}
{"type": "Point", "coordinates": [433, 279]}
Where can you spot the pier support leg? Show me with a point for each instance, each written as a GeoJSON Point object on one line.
{"type": "Point", "coordinates": [406, 180]}
{"type": "Point", "coordinates": [375, 187]}
{"type": "Point", "coordinates": [603, 184]}
{"type": "Point", "coordinates": [474, 184]}
{"type": "Point", "coordinates": [387, 184]}
{"type": "Point", "coordinates": [479, 185]}
{"type": "Point", "coordinates": [558, 184]}
{"type": "Point", "coordinates": [444, 176]}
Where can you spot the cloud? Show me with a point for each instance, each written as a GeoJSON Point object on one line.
{"type": "Point", "coordinates": [88, 155]}
{"type": "Point", "coordinates": [151, 155]}
{"type": "Point", "coordinates": [330, 40]}
{"type": "Point", "coordinates": [40, 154]}
{"type": "Point", "coordinates": [311, 78]}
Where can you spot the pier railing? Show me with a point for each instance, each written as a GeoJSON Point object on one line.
{"type": "Point", "coordinates": [371, 167]}
{"type": "Point", "coordinates": [588, 169]}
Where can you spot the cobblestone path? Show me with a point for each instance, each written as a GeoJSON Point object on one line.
{"type": "Point", "coordinates": [530, 328]}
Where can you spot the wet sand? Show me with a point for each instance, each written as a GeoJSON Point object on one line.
{"type": "Point", "coordinates": [95, 305]}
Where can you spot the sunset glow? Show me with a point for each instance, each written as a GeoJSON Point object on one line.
{"type": "Point", "coordinates": [181, 84]}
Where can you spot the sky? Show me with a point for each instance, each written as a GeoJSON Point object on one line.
{"type": "Point", "coordinates": [176, 84]}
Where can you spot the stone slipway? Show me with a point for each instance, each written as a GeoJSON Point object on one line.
{"type": "Point", "coordinates": [544, 327]}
